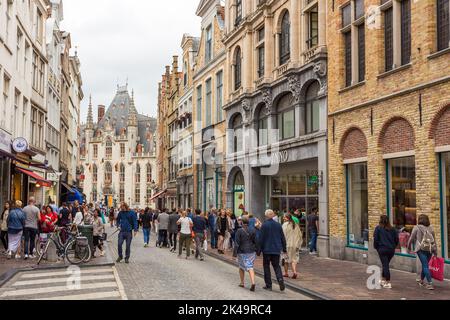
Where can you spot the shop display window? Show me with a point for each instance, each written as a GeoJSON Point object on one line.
{"type": "Point", "coordinates": [446, 200]}
{"type": "Point", "coordinates": [357, 205]}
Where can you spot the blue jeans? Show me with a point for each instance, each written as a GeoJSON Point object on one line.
{"type": "Point", "coordinates": [313, 243]}
{"type": "Point", "coordinates": [128, 237]}
{"type": "Point", "coordinates": [146, 235]}
{"type": "Point", "coordinates": [213, 232]}
{"type": "Point", "coordinates": [425, 258]}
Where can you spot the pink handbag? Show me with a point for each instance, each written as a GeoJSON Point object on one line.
{"type": "Point", "coordinates": [437, 268]}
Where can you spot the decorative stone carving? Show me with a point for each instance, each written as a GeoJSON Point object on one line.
{"type": "Point", "coordinates": [247, 111]}
{"type": "Point", "coordinates": [295, 87]}
{"type": "Point", "coordinates": [267, 98]}
{"type": "Point", "coordinates": [320, 69]}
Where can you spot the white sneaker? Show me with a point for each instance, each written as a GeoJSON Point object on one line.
{"type": "Point", "coordinates": [9, 255]}
{"type": "Point", "coordinates": [387, 285]}
{"type": "Point", "coordinates": [102, 254]}
{"type": "Point", "coordinates": [26, 257]}
{"type": "Point", "coordinates": [32, 256]}
{"type": "Point", "coordinates": [18, 256]}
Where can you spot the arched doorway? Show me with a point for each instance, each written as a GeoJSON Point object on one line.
{"type": "Point", "coordinates": [239, 194]}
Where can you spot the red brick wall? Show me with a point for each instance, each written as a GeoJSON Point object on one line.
{"type": "Point", "coordinates": [441, 128]}
{"type": "Point", "coordinates": [397, 136]}
{"type": "Point", "coordinates": [354, 145]}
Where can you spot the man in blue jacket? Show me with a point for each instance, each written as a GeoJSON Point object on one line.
{"type": "Point", "coordinates": [126, 222]}
{"type": "Point", "coordinates": [272, 242]}
{"type": "Point", "coordinates": [212, 218]}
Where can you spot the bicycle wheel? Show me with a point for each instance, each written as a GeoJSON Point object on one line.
{"type": "Point", "coordinates": [43, 252]}
{"type": "Point", "coordinates": [75, 254]}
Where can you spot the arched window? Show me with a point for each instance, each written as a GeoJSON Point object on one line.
{"type": "Point", "coordinates": [286, 117]}
{"type": "Point", "coordinates": [237, 69]}
{"type": "Point", "coordinates": [312, 108]}
{"type": "Point", "coordinates": [263, 121]}
{"type": "Point", "coordinates": [108, 173]}
{"type": "Point", "coordinates": [238, 143]}
{"type": "Point", "coordinates": [122, 173]}
{"type": "Point", "coordinates": [149, 173]}
{"type": "Point", "coordinates": [285, 39]}
{"type": "Point", "coordinates": [94, 174]}
{"type": "Point", "coordinates": [109, 146]}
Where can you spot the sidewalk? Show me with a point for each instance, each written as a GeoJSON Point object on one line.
{"type": "Point", "coordinates": [342, 280]}
{"type": "Point", "coordinates": [8, 268]}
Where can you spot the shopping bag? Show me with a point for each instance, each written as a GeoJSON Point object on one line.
{"type": "Point", "coordinates": [205, 245]}
{"type": "Point", "coordinates": [437, 268]}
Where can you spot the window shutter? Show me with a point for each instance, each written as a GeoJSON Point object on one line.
{"type": "Point", "coordinates": [406, 31]}
{"type": "Point", "coordinates": [443, 25]}
{"type": "Point", "coordinates": [388, 40]}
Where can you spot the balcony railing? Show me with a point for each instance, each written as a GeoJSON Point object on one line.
{"type": "Point", "coordinates": [310, 54]}
{"type": "Point", "coordinates": [282, 69]}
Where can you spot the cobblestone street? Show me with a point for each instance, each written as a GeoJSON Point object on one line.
{"type": "Point", "coordinates": [155, 273]}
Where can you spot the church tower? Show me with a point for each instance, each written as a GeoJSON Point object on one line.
{"type": "Point", "coordinates": [133, 136]}
{"type": "Point", "coordinates": [89, 132]}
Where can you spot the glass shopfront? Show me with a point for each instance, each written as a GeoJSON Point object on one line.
{"type": "Point", "coordinates": [296, 188]}
{"type": "Point", "coordinates": [402, 199]}
{"type": "Point", "coordinates": [5, 166]}
{"type": "Point", "coordinates": [357, 205]}
{"type": "Point", "coordinates": [239, 195]}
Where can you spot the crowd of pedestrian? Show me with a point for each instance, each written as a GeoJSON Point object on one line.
{"type": "Point", "coordinates": [21, 226]}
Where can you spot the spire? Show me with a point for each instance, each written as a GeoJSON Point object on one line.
{"type": "Point", "coordinates": [132, 117]}
{"type": "Point", "coordinates": [90, 118]}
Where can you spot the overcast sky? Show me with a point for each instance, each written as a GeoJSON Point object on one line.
{"type": "Point", "coordinates": [117, 39]}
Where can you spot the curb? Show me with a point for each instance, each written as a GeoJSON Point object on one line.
{"type": "Point", "coordinates": [310, 293]}
{"type": "Point", "coordinates": [8, 275]}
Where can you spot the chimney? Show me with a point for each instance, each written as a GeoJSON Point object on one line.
{"type": "Point", "coordinates": [101, 112]}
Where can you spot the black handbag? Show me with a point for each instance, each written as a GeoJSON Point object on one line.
{"type": "Point", "coordinates": [104, 236]}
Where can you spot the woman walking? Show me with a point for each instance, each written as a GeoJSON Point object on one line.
{"type": "Point", "coordinates": [423, 238]}
{"type": "Point", "coordinates": [4, 225]}
{"type": "Point", "coordinates": [223, 228]}
{"type": "Point", "coordinates": [245, 250]}
{"type": "Point", "coordinates": [185, 234]}
{"type": "Point", "coordinates": [99, 229]}
{"type": "Point", "coordinates": [16, 224]}
{"type": "Point", "coordinates": [385, 242]}
{"type": "Point", "coordinates": [293, 236]}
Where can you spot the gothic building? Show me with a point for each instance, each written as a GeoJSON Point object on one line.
{"type": "Point", "coordinates": [118, 154]}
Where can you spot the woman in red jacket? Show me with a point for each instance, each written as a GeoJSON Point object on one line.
{"type": "Point", "coordinates": [48, 220]}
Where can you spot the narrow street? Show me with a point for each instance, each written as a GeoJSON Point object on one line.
{"type": "Point", "coordinates": [155, 273]}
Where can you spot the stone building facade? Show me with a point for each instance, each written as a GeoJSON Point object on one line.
{"type": "Point", "coordinates": [389, 120]}
{"type": "Point", "coordinates": [208, 115]}
{"type": "Point", "coordinates": [118, 154]}
{"type": "Point", "coordinates": [276, 108]}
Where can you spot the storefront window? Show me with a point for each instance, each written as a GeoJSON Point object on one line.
{"type": "Point", "coordinates": [357, 205]}
{"type": "Point", "coordinates": [239, 194]}
{"type": "Point", "coordinates": [446, 200]}
{"type": "Point", "coordinates": [4, 190]}
{"type": "Point", "coordinates": [279, 186]}
{"type": "Point", "coordinates": [297, 185]}
{"type": "Point", "coordinates": [403, 193]}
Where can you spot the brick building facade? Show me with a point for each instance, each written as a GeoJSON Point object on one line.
{"type": "Point", "coordinates": [389, 120]}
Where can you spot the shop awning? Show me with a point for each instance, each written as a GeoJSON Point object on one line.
{"type": "Point", "coordinates": [69, 189]}
{"type": "Point", "coordinates": [158, 195]}
{"type": "Point", "coordinates": [35, 176]}
{"type": "Point", "coordinates": [76, 196]}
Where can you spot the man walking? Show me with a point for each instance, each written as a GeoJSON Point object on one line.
{"type": "Point", "coordinates": [313, 228]}
{"type": "Point", "coordinates": [212, 219]}
{"type": "Point", "coordinates": [126, 222]}
{"type": "Point", "coordinates": [163, 223]}
{"type": "Point", "coordinates": [173, 230]}
{"type": "Point", "coordinates": [33, 215]}
{"type": "Point", "coordinates": [146, 220]}
{"type": "Point", "coordinates": [200, 229]}
{"type": "Point", "coordinates": [272, 242]}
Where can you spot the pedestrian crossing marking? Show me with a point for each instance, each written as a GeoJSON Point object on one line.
{"type": "Point", "coordinates": [36, 291]}
{"type": "Point", "coordinates": [61, 280]}
{"type": "Point", "coordinates": [89, 296]}
{"type": "Point", "coordinates": [63, 273]}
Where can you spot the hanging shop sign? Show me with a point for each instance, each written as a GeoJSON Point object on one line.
{"type": "Point", "coordinates": [5, 141]}
{"type": "Point", "coordinates": [20, 145]}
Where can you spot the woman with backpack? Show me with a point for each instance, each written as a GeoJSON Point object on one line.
{"type": "Point", "coordinates": [423, 238]}
{"type": "Point", "coordinates": [385, 242]}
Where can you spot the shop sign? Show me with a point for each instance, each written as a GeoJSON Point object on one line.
{"type": "Point", "coordinates": [52, 177]}
{"type": "Point", "coordinates": [5, 141]}
{"type": "Point", "coordinates": [20, 145]}
{"type": "Point", "coordinates": [313, 180]}
{"type": "Point", "coordinates": [280, 157]}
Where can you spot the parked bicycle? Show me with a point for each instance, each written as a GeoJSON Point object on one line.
{"type": "Point", "coordinates": [76, 249]}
